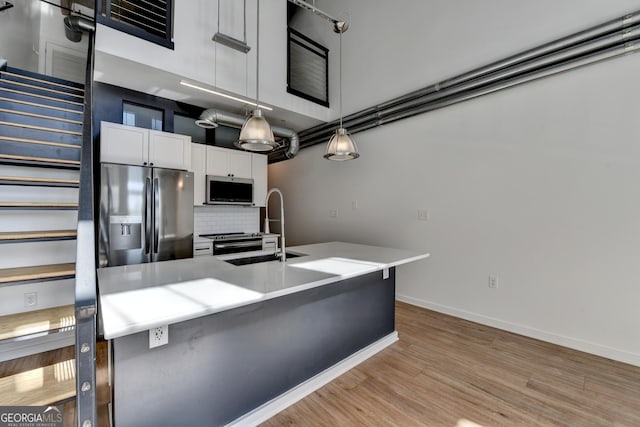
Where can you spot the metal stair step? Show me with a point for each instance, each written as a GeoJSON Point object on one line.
{"type": "Point", "coordinates": [40, 108]}
{"type": "Point", "coordinates": [42, 99]}
{"type": "Point", "coordinates": [38, 205]}
{"type": "Point", "coordinates": [41, 149]}
{"type": "Point", "coordinates": [49, 151]}
{"type": "Point", "coordinates": [42, 385]}
{"type": "Point", "coordinates": [33, 322]}
{"type": "Point", "coordinates": [40, 120]}
{"type": "Point", "coordinates": [36, 236]}
{"type": "Point", "coordinates": [44, 77]}
{"type": "Point", "coordinates": [39, 81]}
{"type": "Point", "coordinates": [40, 90]}
{"type": "Point", "coordinates": [41, 128]}
{"type": "Point", "coordinates": [18, 130]}
{"type": "Point", "coordinates": [10, 139]}
{"type": "Point", "coordinates": [38, 272]}
{"type": "Point", "coordinates": [39, 161]}
{"type": "Point", "coordinates": [39, 182]}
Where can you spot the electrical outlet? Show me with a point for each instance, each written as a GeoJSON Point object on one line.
{"type": "Point", "coordinates": [158, 336]}
{"type": "Point", "coordinates": [493, 282]}
{"type": "Point", "coordinates": [423, 215]}
{"type": "Point", "coordinates": [333, 213]}
{"type": "Point", "coordinates": [30, 299]}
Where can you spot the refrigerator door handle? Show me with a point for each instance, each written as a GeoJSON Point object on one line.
{"type": "Point", "coordinates": [156, 214]}
{"type": "Point", "coordinates": [147, 219]}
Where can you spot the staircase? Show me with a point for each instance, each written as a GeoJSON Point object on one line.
{"type": "Point", "coordinates": [40, 141]}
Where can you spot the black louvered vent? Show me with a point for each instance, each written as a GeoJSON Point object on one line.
{"type": "Point", "coordinates": [147, 19]}
{"type": "Point", "coordinates": [308, 68]}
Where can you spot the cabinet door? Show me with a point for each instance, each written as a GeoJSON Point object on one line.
{"type": "Point", "coordinates": [169, 150]}
{"type": "Point", "coordinates": [199, 167]}
{"type": "Point", "coordinates": [239, 163]}
{"type": "Point", "coordinates": [123, 144]}
{"type": "Point", "coordinates": [259, 175]}
{"type": "Point", "coordinates": [217, 161]}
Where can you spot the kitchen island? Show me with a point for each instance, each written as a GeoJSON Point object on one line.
{"type": "Point", "coordinates": [243, 339]}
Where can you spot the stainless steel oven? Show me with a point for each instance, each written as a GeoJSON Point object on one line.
{"type": "Point", "coordinates": [229, 243]}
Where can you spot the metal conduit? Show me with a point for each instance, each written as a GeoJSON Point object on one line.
{"type": "Point", "coordinates": [604, 41]}
{"type": "Point", "coordinates": [212, 117]}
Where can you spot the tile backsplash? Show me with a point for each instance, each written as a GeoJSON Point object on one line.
{"type": "Point", "coordinates": [225, 219]}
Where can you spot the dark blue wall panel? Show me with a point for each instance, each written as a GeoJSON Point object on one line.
{"type": "Point", "coordinates": [219, 367]}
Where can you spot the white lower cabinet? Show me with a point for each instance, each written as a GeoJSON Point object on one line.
{"type": "Point", "coordinates": [270, 243]}
{"type": "Point", "coordinates": [202, 248]}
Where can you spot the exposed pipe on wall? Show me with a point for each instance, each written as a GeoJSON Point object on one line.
{"type": "Point", "coordinates": [74, 25]}
{"type": "Point", "coordinates": [605, 41]}
{"type": "Point", "coordinates": [211, 118]}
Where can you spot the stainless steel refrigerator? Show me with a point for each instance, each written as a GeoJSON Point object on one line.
{"type": "Point", "coordinates": [146, 214]}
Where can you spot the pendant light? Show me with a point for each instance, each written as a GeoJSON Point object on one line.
{"type": "Point", "coordinates": [256, 134]}
{"type": "Point", "coordinates": [341, 147]}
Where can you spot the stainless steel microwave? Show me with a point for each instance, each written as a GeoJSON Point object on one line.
{"type": "Point", "coordinates": [229, 190]}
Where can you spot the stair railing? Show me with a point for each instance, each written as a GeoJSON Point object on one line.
{"type": "Point", "coordinates": [86, 289]}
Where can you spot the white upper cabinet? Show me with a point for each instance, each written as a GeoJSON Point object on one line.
{"type": "Point", "coordinates": [199, 168]}
{"type": "Point", "coordinates": [169, 150]}
{"type": "Point", "coordinates": [240, 164]}
{"type": "Point", "coordinates": [143, 147]}
{"type": "Point", "coordinates": [259, 174]}
{"type": "Point", "coordinates": [225, 162]}
{"type": "Point", "coordinates": [123, 144]}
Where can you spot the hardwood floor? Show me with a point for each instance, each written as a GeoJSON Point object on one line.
{"type": "Point", "coordinates": [446, 371]}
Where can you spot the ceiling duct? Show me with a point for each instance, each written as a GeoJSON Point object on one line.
{"type": "Point", "coordinates": [211, 118]}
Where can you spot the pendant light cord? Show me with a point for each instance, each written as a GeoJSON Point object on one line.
{"type": "Point", "coordinates": [341, 79]}
{"type": "Point", "coordinates": [257, 51]}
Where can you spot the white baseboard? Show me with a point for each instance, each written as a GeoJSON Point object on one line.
{"type": "Point", "coordinates": [574, 343]}
{"type": "Point", "coordinates": [271, 408]}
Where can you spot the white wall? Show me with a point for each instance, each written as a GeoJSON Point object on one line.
{"type": "Point", "coordinates": [19, 34]}
{"type": "Point", "coordinates": [49, 293]}
{"type": "Point", "coordinates": [536, 184]}
{"type": "Point", "coordinates": [59, 56]}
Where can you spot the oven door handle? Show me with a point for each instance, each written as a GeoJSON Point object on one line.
{"type": "Point", "coordinates": [238, 245]}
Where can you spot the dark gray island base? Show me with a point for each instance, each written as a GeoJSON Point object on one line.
{"type": "Point", "coordinates": [219, 367]}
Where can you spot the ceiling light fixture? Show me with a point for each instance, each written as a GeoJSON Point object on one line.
{"type": "Point", "coordinates": [341, 147]}
{"type": "Point", "coordinates": [235, 98]}
{"type": "Point", "coordinates": [256, 134]}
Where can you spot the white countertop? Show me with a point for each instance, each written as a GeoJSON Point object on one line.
{"type": "Point", "coordinates": [138, 297]}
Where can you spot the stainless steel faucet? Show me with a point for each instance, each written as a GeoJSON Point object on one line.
{"type": "Point", "coordinates": [266, 221]}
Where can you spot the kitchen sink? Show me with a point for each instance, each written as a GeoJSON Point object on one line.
{"type": "Point", "coordinates": [260, 258]}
